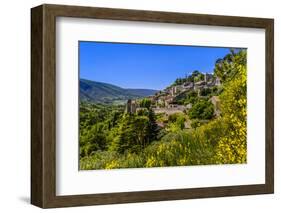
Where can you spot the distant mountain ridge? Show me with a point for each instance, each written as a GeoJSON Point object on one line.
{"type": "Point", "coordinates": [93, 91]}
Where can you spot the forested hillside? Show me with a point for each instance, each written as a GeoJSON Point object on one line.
{"type": "Point", "coordinates": [98, 92]}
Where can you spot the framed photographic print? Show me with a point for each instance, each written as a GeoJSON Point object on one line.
{"type": "Point", "coordinates": [136, 106]}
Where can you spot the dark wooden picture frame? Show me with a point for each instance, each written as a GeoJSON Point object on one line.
{"type": "Point", "coordinates": [43, 105]}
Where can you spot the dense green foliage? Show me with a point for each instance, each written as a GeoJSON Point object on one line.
{"type": "Point", "coordinates": [111, 138]}
{"type": "Point", "coordinates": [194, 77]}
{"type": "Point", "coordinates": [202, 109]}
{"type": "Point", "coordinates": [188, 97]}
{"type": "Point", "coordinates": [145, 103]}
{"type": "Point", "coordinates": [206, 91]}
{"type": "Point", "coordinates": [226, 68]}
{"type": "Point", "coordinates": [105, 127]}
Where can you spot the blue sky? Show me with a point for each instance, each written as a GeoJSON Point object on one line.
{"type": "Point", "coordinates": [143, 66]}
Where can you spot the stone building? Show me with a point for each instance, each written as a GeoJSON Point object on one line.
{"type": "Point", "coordinates": [131, 106]}
{"type": "Point", "coordinates": [217, 82]}
{"type": "Point", "coordinates": [208, 77]}
{"type": "Point", "coordinates": [216, 102]}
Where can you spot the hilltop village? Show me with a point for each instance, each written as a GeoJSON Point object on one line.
{"type": "Point", "coordinates": [176, 97]}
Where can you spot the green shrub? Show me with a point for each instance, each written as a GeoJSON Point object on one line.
{"type": "Point", "coordinates": [205, 91]}
{"type": "Point", "coordinates": [203, 109]}
{"type": "Point", "coordinates": [195, 123]}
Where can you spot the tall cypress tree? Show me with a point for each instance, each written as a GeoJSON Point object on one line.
{"type": "Point", "coordinates": [153, 127]}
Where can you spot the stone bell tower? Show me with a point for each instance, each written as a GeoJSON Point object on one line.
{"type": "Point", "coordinates": [130, 106]}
